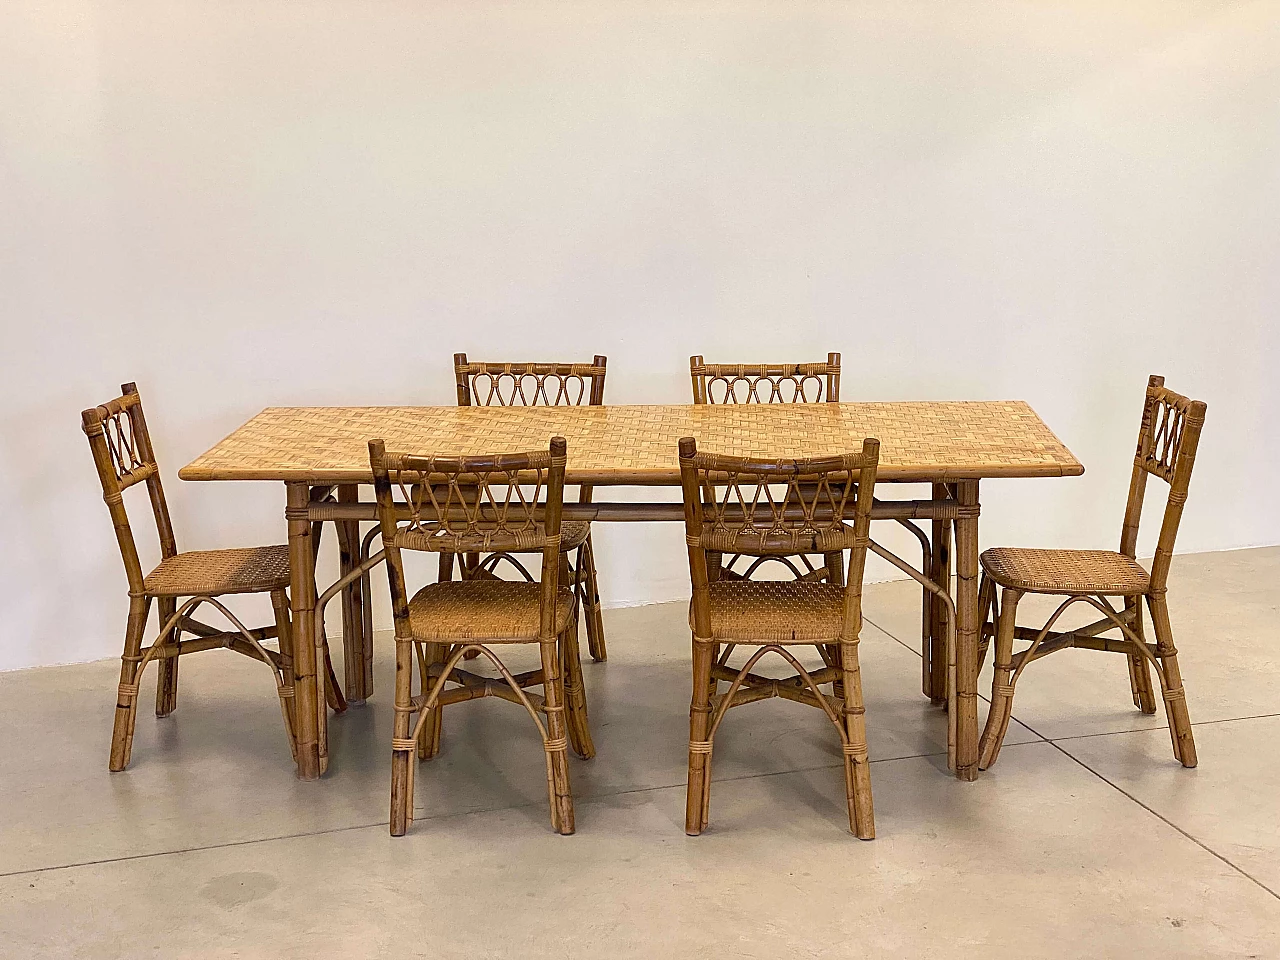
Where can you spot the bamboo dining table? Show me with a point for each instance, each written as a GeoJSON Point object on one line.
{"type": "Point", "coordinates": [321, 455]}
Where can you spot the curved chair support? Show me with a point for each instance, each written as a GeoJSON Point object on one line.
{"type": "Point", "coordinates": [458, 652]}
{"type": "Point", "coordinates": [490, 563]}
{"type": "Point", "coordinates": [283, 690]}
{"type": "Point", "coordinates": [945, 596]}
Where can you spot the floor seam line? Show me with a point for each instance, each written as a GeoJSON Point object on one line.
{"type": "Point", "coordinates": [834, 765]}
{"type": "Point", "coordinates": [1159, 816]}
{"type": "Point", "coordinates": [1197, 723]}
{"type": "Point", "coordinates": [196, 849]}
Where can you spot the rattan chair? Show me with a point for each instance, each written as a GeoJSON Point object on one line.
{"type": "Point", "coordinates": [517, 509]}
{"type": "Point", "coordinates": [727, 383]}
{"type": "Point", "coordinates": [182, 582]}
{"type": "Point", "coordinates": [820, 383]}
{"type": "Point", "coordinates": [529, 385]}
{"type": "Point", "coordinates": [1167, 444]}
{"type": "Point", "coordinates": [778, 508]}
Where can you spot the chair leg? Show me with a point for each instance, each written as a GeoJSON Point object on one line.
{"type": "Point", "coordinates": [714, 686]}
{"type": "Point", "coordinates": [467, 564]}
{"type": "Point", "coordinates": [857, 763]}
{"type": "Point", "coordinates": [986, 605]}
{"type": "Point", "coordinates": [698, 792]}
{"type": "Point", "coordinates": [571, 635]}
{"type": "Point", "coordinates": [167, 681]}
{"type": "Point", "coordinates": [835, 575]}
{"type": "Point", "coordinates": [1175, 697]}
{"type": "Point", "coordinates": [1139, 673]}
{"type": "Point", "coordinates": [575, 695]}
{"type": "Point", "coordinates": [1001, 682]}
{"type": "Point", "coordinates": [127, 694]}
{"type": "Point", "coordinates": [833, 657]}
{"type": "Point", "coordinates": [402, 748]}
{"type": "Point", "coordinates": [333, 695]}
{"type": "Point", "coordinates": [429, 654]}
{"type": "Point", "coordinates": [284, 632]}
{"type": "Point", "coordinates": [556, 745]}
{"type": "Point", "coordinates": [591, 603]}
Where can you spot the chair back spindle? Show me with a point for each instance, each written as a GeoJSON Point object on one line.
{"type": "Point", "coordinates": [1167, 442]}
{"type": "Point", "coordinates": [123, 455]}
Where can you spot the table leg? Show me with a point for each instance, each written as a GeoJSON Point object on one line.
{"type": "Point", "coordinates": [357, 649]}
{"type": "Point", "coordinates": [302, 601]}
{"type": "Point", "coordinates": [934, 679]}
{"type": "Point", "coordinates": [966, 554]}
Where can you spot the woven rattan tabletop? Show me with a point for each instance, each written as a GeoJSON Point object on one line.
{"type": "Point", "coordinates": [926, 441]}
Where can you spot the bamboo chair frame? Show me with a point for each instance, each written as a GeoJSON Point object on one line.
{"type": "Point", "coordinates": [123, 455]}
{"type": "Point", "coordinates": [728, 383]}
{"type": "Point", "coordinates": [733, 383]}
{"type": "Point", "coordinates": [733, 504]}
{"type": "Point", "coordinates": [472, 505]}
{"type": "Point", "coordinates": [537, 384]}
{"type": "Point", "coordinates": [1167, 441]}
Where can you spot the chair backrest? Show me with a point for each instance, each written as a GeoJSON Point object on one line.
{"type": "Point", "coordinates": [1167, 443]}
{"type": "Point", "coordinates": [766, 382]}
{"type": "Point", "coordinates": [122, 452]}
{"type": "Point", "coordinates": [745, 505]}
{"type": "Point", "coordinates": [483, 504]}
{"type": "Point", "coordinates": [529, 384]}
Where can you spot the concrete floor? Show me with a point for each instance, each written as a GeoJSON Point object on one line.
{"type": "Point", "coordinates": [1086, 840]}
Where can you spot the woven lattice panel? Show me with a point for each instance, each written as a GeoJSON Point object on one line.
{"type": "Point", "coordinates": [637, 444]}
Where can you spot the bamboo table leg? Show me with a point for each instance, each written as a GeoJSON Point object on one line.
{"type": "Point", "coordinates": [357, 649]}
{"type": "Point", "coordinates": [302, 599]}
{"type": "Point", "coordinates": [934, 679]}
{"type": "Point", "coordinates": [966, 557]}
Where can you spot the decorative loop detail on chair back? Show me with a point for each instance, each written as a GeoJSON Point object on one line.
{"type": "Point", "coordinates": [472, 504]}
{"type": "Point", "coordinates": [781, 506]}
{"type": "Point", "coordinates": [529, 384]}
{"type": "Point", "coordinates": [719, 383]}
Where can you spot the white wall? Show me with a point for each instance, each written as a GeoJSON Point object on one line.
{"type": "Point", "coordinates": [243, 204]}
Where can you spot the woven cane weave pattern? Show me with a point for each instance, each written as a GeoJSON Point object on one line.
{"type": "Point", "coordinates": [637, 444]}
{"type": "Point", "coordinates": [491, 610]}
{"type": "Point", "coordinates": [215, 572]}
{"type": "Point", "coordinates": [775, 611]}
{"type": "Point", "coordinates": [1065, 571]}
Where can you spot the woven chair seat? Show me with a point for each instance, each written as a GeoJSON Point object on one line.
{"type": "Point", "coordinates": [574, 533]}
{"type": "Point", "coordinates": [491, 610]}
{"type": "Point", "coordinates": [775, 611]}
{"type": "Point", "coordinates": [1065, 571]}
{"type": "Point", "coordinates": [216, 572]}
